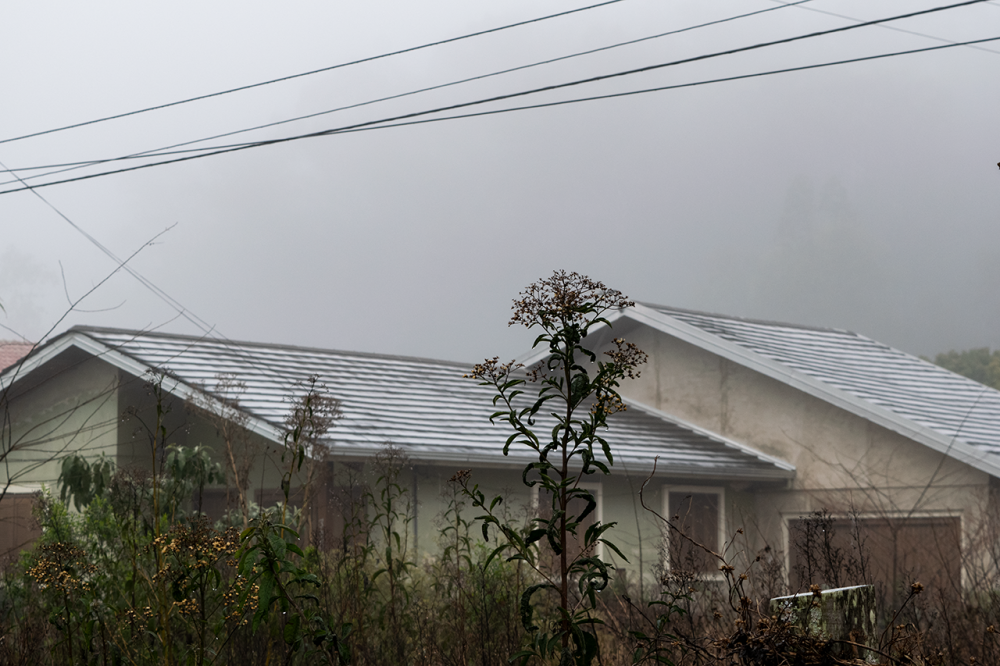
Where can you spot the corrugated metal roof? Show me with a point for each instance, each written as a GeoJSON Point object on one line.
{"type": "Point", "coordinates": [949, 404]}
{"type": "Point", "coordinates": [424, 406]}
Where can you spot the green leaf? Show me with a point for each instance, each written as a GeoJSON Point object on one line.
{"type": "Point", "coordinates": [285, 528]}
{"type": "Point", "coordinates": [308, 578]}
{"type": "Point", "coordinates": [496, 551]}
{"type": "Point", "coordinates": [523, 655]}
{"type": "Point", "coordinates": [263, 600]}
{"type": "Point", "coordinates": [588, 497]}
{"type": "Point", "coordinates": [293, 630]}
{"type": "Point", "coordinates": [510, 440]}
{"type": "Point", "coordinates": [534, 535]}
{"type": "Point", "coordinates": [614, 548]}
{"type": "Point", "coordinates": [278, 545]}
{"type": "Point", "coordinates": [607, 454]}
{"type": "Point", "coordinates": [526, 609]}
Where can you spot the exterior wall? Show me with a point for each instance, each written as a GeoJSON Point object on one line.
{"type": "Point", "coordinates": [69, 406]}
{"type": "Point", "coordinates": [78, 404]}
{"type": "Point", "coordinates": [187, 425]}
{"type": "Point", "coordinates": [843, 462]}
{"type": "Point", "coordinates": [638, 533]}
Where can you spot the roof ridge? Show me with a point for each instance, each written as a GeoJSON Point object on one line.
{"type": "Point", "coordinates": [749, 320]}
{"type": "Point", "coordinates": [270, 345]}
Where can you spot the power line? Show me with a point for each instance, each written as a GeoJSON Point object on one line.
{"type": "Point", "coordinates": [887, 27]}
{"type": "Point", "coordinates": [208, 330]}
{"type": "Point", "coordinates": [72, 166]}
{"type": "Point", "coordinates": [370, 127]}
{"type": "Point", "coordinates": [217, 150]}
{"type": "Point", "coordinates": [311, 72]}
{"type": "Point", "coordinates": [675, 86]}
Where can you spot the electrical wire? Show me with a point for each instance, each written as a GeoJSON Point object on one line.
{"type": "Point", "coordinates": [208, 331]}
{"type": "Point", "coordinates": [72, 166]}
{"type": "Point", "coordinates": [385, 121]}
{"type": "Point", "coordinates": [887, 27]}
{"type": "Point", "coordinates": [676, 86]}
{"type": "Point", "coordinates": [310, 73]}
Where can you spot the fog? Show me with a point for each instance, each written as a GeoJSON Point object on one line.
{"type": "Point", "coordinates": [863, 196]}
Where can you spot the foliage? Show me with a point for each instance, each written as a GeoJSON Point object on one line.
{"type": "Point", "coordinates": [275, 580]}
{"type": "Point", "coordinates": [114, 591]}
{"type": "Point", "coordinates": [82, 480]}
{"type": "Point", "coordinates": [230, 422]}
{"type": "Point", "coordinates": [313, 413]}
{"type": "Point", "coordinates": [978, 364]}
{"type": "Point", "coordinates": [565, 307]}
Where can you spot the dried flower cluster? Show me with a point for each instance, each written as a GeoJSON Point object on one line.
{"type": "Point", "coordinates": [461, 476]}
{"type": "Point", "coordinates": [627, 357]}
{"type": "Point", "coordinates": [186, 606]}
{"type": "Point", "coordinates": [313, 412]}
{"type": "Point", "coordinates": [565, 299]}
{"type": "Point", "coordinates": [61, 566]}
{"type": "Point", "coordinates": [607, 403]}
{"type": "Point", "coordinates": [231, 597]}
{"type": "Point", "coordinates": [200, 542]}
{"type": "Point", "coordinates": [136, 619]}
{"type": "Point", "coordinates": [492, 371]}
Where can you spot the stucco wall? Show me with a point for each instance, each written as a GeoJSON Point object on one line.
{"type": "Point", "coordinates": [70, 405]}
{"type": "Point", "coordinates": [637, 534]}
{"type": "Point", "coordinates": [187, 425]}
{"type": "Point", "coordinates": [842, 460]}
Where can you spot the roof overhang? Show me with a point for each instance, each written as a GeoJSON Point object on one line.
{"type": "Point", "coordinates": [172, 385]}
{"type": "Point", "coordinates": [481, 460]}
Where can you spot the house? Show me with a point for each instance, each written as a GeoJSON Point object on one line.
{"type": "Point", "coordinates": [88, 391]}
{"type": "Point", "coordinates": [904, 455]}
{"type": "Point", "coordinates": [751, 428]}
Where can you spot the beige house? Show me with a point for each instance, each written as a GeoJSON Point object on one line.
{"type": "Point", "coordinates": [88, 391]}
{"type": "Point", "coordinates": [903, 454]}
{"type": "Point", "coordinates": [752, 426]}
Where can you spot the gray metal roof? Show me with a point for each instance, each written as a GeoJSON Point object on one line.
{"type": "Point", "coordinates": [957, 409]}
{"type": "Point", "coordinates": [424, 406]}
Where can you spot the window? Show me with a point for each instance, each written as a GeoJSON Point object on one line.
{"type": "Point", "coordinates": [893, 551]}
{"type": "Point", "coordinates": [698, 512]}
{"type": "Point", "coordinates": [18, 528]}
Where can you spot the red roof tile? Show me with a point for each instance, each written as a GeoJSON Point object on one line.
{"type": "Point", "coordinates": [12, 351]}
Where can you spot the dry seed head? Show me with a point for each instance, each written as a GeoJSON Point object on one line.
{"type": "Point", "coordinates": [491, 370]}
{"type": "Point", "coordinates": [563, 299]}
{"type": "Point", "coordinates": [461, 476]}
{"type": "Point", "coordinates": [627, 357]}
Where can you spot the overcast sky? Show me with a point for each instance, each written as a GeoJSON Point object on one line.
{"type": "Point", "coordinates": [864, 196]}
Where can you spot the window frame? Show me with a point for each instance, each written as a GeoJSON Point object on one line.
{"type": "Point", "coordinates": [720, 492]}
{"type": "Point", "coordinates": [788, 516]}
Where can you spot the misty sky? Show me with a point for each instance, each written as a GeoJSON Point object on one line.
{"type": "Point", "coordinates": [864, 196]}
